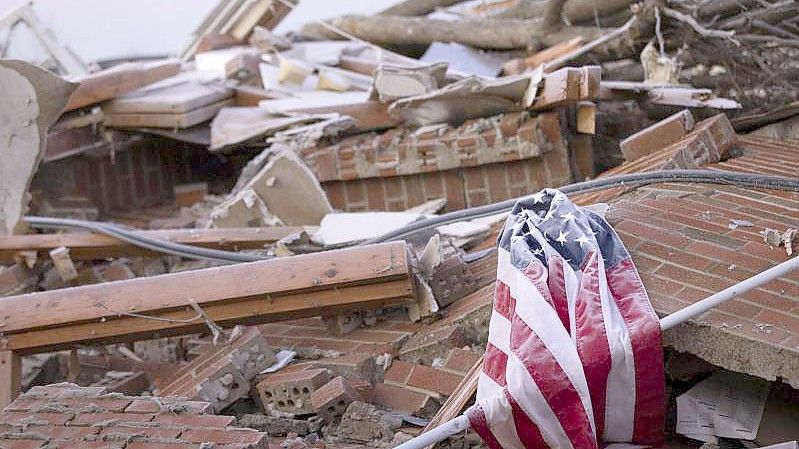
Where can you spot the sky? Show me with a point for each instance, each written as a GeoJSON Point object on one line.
{"type": "Point", "coordinates": [106, 29]}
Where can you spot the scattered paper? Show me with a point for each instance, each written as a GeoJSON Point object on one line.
{"type": "Point", "coordinates": [726, 405]}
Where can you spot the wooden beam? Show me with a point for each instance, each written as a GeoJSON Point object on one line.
{"type": "Point", "coordinates": [559, 88]}
{"type": "Point", "coordinates": [586, 117]}
{"type": "Point", "coordinates": [88, 246]}
{"type": "Point", "coordinates": [10, 377]}
{"type": "Point", "coordinates": [119, 80]}
{"type": "Point", "coordinates": [250, 293]}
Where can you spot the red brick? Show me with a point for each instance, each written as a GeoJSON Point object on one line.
{"type": "Point", "coordinates": [432, 379]}
{"type": "Point", "coordinates": [224, 436]}
{"type": "Point", "coordinates": [461, 360]}
{"type": "Point", "coordinates": [400, 399]}
{"type": "Point", "coordinates": [65, 433]}
{"type": "Point", "coordinates": [21, 418]}
{"type": "Point", "coordinates": [332, 399]}
{"type": "Point", "coordinates": [692, 278]}
{"type": "Point", "coordinates": [92, 419]}
{"type": "Point", "coordinates": [21, 444]}
{"type": "Point", "coordinates": [778, 319]}
{"type": "Point", "coordinates": [398, 372]}
{"type": "Point", "coordinates": [139, 445]}
{"type": "Point", "coordinates": [509, 123]}
{"type": "Point", "coordinates": [152, 406]}
{"type": "Point", "coordinates": [126, 432]}
{"type": "Point", "coordinates": [194, 421]}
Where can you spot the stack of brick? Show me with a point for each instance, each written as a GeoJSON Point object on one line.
{"type": "Point", "coordinates": [310, 337]}
{"type": "Point", "coordinates": [420, 389]}
{"type": "Point", "coordinates": [478, 162]}
{"type": "Point", "coordinates": [69, 416]}
{"type": "Point", "coordinates": [222, 375]}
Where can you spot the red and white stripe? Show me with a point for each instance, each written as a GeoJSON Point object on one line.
{"type": "Point", "coordinates": [569, 352]}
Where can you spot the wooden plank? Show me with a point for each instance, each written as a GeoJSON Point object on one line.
{"type": "Point", "coordinates": [457, 401]}
{"type": "Point", "coordinates": [10, 377]}
{"type": "Point", "coordinates": [119, 80]}
{"type": "Point", "coordinates": [258, 309]}
{"type": "Point", "coordinates": [559, 88]}
{"type": "Point", "coordinates": [265, 280]}
{"type": "Point", "coordinates": [165, 120]}
{"type": "Point", "coordinates": [178, 95]}
{"type": "Point", "coordinates": [519, 65]}
{"type": "Point", "coordinates": [89, 246]}
{"type": "Point", "coordinates": [586, 117]}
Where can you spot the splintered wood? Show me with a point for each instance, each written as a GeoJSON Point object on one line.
{"type": "Point", "coordinates": [251, 293]}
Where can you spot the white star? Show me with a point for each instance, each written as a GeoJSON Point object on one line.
{"type": "Point", "coordinates": [538, 252]}
{"type": "Point", "coordinates": [569, 216]}
{"type": "Point", "coordinates": [562, 237]}
{"type": "Point", "coordinates": [582, 239]}
{"type": "Point", "coordinates": [538, 197]}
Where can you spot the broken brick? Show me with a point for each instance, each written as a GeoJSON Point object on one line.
{"type": "Point", "coordinates": [331, 400]}
{"type": "Point", "coordinates": [221, 376]}
{"type": "Point", "coordinates": [291, 392]}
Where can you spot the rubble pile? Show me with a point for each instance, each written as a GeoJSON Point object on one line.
{"type": "Point", "coordinates": [231, 249]}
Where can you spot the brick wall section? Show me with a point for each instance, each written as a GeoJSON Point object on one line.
{"type": "Point", "coordinates": [311, 337]}
{"type": "Point", "coordinates": [138, 174]}
{"type": "Point", "coordinates": [709, 142]}
{"type": "Point", "coordinates": [222, 374]}
{"type": "Point", "coordinates": [403, 151]}
{"type": "Point", "coordinates": [682, 244]}
{"type": "Point", "coordinates": [393, 171]}
{"type": "Point", "coordinates": [69, 416]}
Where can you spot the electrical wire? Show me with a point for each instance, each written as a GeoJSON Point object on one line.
{"type": "Point", "coordinates": [137, 239]}
{"type": "Point", "coordinates": [635, 179]}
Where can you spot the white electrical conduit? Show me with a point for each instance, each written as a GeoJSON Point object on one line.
{"type": "Point", "coordinates": [461, 423]}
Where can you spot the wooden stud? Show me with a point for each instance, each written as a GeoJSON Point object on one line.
{"type": "Point", "coordinates": [586, 117]}
{"type": "Point", "coordinates": [10, 377]}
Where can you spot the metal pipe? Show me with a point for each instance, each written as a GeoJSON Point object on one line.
{"type": "Point", "coordinates": [728, 293]}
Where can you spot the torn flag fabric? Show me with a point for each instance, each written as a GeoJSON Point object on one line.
{"type": "Point", "coordinates": [574, 356]}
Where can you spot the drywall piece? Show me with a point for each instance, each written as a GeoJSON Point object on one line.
{"type": "Point", "coordinates": [119, 80]}
{"type": "Point", "coordinates": [342, 228]}
{"type": "Point", "coordinates": [395, 82]}
{"type": "Point", "coordinates": [33, 98]}
{"type": "Point", "coordinates": [166, 120]}
{"type": "Point", "coordinates": [471, 97]}
{"type": "Point", "coordinates": [176, 95]}
{"type": "Point", "coordinates": [214, 61]}
{"type": "Point", "coordinates": [245, 209]}
{"type": "Point", "coordinates": [290, 190]}
{"type": "Point", "coordinates": [233, 126]}
{"type": "Point", "coordinates": [466, 59]}
{"type": "Point", "coordinates": [315, 99]}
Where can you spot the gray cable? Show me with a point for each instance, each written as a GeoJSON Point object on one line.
{"type": "Point", "coordinates": [636, 179]}
{"type": "Point", "coordinates": [137, 239]}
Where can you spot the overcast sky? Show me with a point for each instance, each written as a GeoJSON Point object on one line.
{"type": "Point", "coordinates": [107, 29]}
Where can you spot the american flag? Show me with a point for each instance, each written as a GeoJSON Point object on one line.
{"type": "Point", "coordinates": [574, 356]}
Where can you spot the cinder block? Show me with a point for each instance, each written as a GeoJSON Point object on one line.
{"type": "Point", "coordinates": [221, 376]}
{"type": "Point", "coordinates": [291, 392]}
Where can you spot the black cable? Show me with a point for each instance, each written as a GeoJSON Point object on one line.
{"type": "Point", "coordinates": [636, 179]}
